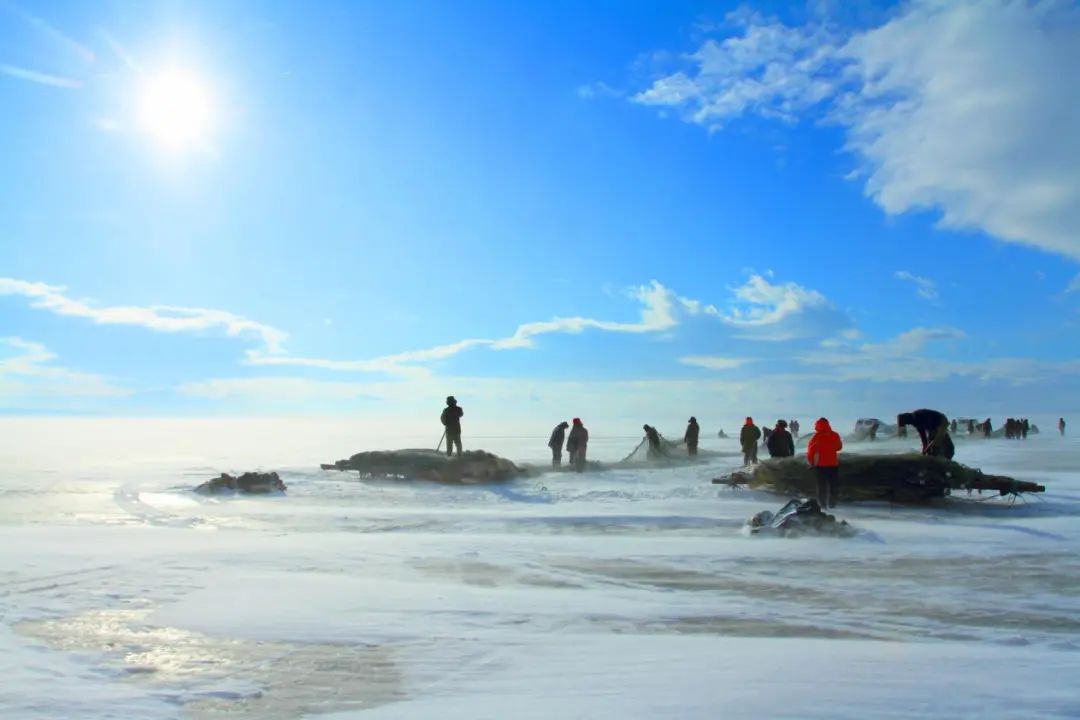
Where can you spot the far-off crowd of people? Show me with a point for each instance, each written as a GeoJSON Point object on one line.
{"type": "Point", "coordinates": [822, 452]}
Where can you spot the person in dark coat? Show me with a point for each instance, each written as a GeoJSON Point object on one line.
{"type": "Point", "coordinates": [780, 443]}
{"type": "Point", "coordinates": [691, 436]}
{"type": "Point", "coordinates": [577, 444]}
{"type": "Point", "coordinates": [1025, 428]}
{"type": "Point", "coordinates": [748, 438]}
{"type": "Point", "coordinates": [795, 429]}
{"type": "Point", "coordinates": [451, 420]}
{"type": "Point", "coordinates": [1061, 426]}
{"type": "Point", "coordinates": [873, 430]}
{"type": "Point", "coordinates": [988, 428]}
{"type": "Point", "coordinates": [655, 448]}
{"type": "Point", "coordinates": [933, 429]}
{"type": "Point", "coordinates": [556, 443]}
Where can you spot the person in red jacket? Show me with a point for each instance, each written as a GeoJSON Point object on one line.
{"type": "Point", "coordinates": [822, 454]}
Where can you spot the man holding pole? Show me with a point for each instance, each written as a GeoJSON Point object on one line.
{"type": "Point", "coordinates": [451, 420]}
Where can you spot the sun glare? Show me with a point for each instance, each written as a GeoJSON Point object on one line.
{"type": "Point", "coordinates": [174, 108]}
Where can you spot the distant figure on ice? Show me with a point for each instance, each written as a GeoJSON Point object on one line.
{"type": "Point", "coordinates": [655, 449]}
{"type": "Point", "coordinates": [971, 427]}
{"type": "Point", "coordinates": [795, 429]}
{"type": "Point", "coordinates": [823, 455]}
{"type": "Point", "coordinates": [933, 429]}
{"type": "Point", "coordinates": [988, 428]}
{"type": "Point", "coordinates": [873, 430]}
{"type": "Point", "coordinates": [748, 438]}
{"type": "Point", "coordinates": [451, 420]}
{"type": "Point", "coordinates": [952, 426]}
{"type": "Point", "coordinates": [577, 444]}
{"type": "Point", "coordinates": [1025, 427]}
{"type": "Point", "coordinates": [1061, 426]}
{"type": "Point", "coordinates": [556, 443]}
{"type": "Point", "coordinates": [691, 436]}
{"type": "Point", "coordinates": [722, 435]}
{"type": "Point", "coordinates": [780, 442]}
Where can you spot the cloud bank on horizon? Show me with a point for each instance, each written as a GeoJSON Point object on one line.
{"type": "Point", "coordinates": [965, 111]}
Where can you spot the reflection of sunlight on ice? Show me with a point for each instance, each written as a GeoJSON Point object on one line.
{"type": "Point", "coordinates": [225, 676]}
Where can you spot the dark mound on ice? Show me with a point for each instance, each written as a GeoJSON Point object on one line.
{"type": "Point", "coordinates": [799, 517]}
{"type": "Point", "coordinates": [473, 467]}
{"type": "Point", "coordinates": [250, 483]}
{"type": "Point", "coordinates": [896, 478]}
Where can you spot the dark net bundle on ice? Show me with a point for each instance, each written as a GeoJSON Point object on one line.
{"type": "Point", "coordinates": [896, 478]}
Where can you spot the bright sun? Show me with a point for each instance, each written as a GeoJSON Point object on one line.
{"type": "Point", "coordinates": [175, 109]}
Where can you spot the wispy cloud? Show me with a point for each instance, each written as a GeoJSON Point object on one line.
{"type": "Point", "coordinates": [31, 372]}
{"type": "Point", "coordinates": [924, 287]}
{"type": "Point", "coordinates": [899, 359]}
{"type": "Point", "coordinates": [54, 34]}
{"type": "Point", "coordinates": [714, 362]}
{"type": "Point", "coordinates": [967, 107]}
{"type": "Point", "coordinates": [659, 308]}
{"type": "Point", "coordinates": [40, 77]}
{"type": "Point", "coordinates": [159, 318]}
{"type": "Point", "coordinates": [657, 314]}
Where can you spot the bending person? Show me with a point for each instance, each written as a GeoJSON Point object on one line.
{"type": "Point", "coordinates": [655, 448]}
{"type": "Point", "coordinates": [556, 443]}
{"type": "Point", "coordinates": [933, 429]}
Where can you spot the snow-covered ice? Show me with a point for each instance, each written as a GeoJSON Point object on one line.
{"type": "Point", "coordinates": [627, 593]}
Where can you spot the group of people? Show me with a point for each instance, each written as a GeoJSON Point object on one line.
{"type": "Point", "coordinates": [1017, 428]}
{"type": "Point", "coordinates": [822, 452]}
{"type": "Point", "coordinates": [577, 444]}
{"type": "Point", "coordinates": [779, 439]}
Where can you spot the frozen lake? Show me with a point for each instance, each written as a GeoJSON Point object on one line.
{"type": "Point", "coordinates": [627, 593]}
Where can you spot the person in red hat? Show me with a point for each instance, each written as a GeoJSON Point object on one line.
{"type": "Point", "coordinates": [823, 454]}
{"type": "Point", "coordinates": [576, 444]}
{"type": "Point", "coordinates": [748, 438]}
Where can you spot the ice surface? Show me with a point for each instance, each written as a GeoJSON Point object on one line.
{"type": "Point", "coordinates": [627, 593]}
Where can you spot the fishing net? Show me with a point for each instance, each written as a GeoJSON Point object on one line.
{"type": "Point", "coordinates": [641, 454]}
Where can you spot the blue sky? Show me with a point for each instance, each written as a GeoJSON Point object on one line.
{"type": "Point", "coordinates": [616, 210]}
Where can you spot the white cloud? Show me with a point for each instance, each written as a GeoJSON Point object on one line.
{"type": "Point", "coordinates": [924, 287]}
{"type": "Point", "coordinates": [714, 362]}
{"type": "Point", "coordinates": [657, 314]}
{"type": "Point", "coordinates": [39, 77]}
{"type": "Point", "coordinates": [898, 359]}
{"type": "Point", "coordinates": [160, 318]}
{"type": "Point", "coordinates": [1074, 285]}
{"type": "Point", "coordinates": [967, 107]}
{"type": "Point", "coordinates": [598, 89]}
{"type": "Point", "coordinates": [762, 310]}
{"type": "Point", "coordinates": [31, 372]}
{"type": "Point", "coordinates": [659, 307]}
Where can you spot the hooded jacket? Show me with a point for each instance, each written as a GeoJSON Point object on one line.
{"type": "Point", "coordinates": [749, 435]}
{"type": "Point", "coordinates": [780, 443]}
{"type": "Point", "coordinates": [451, 418]}
{"type": "Point", "coordinates": [824, 446]}
{"type": "Point", "coordinates": [579, 438]}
